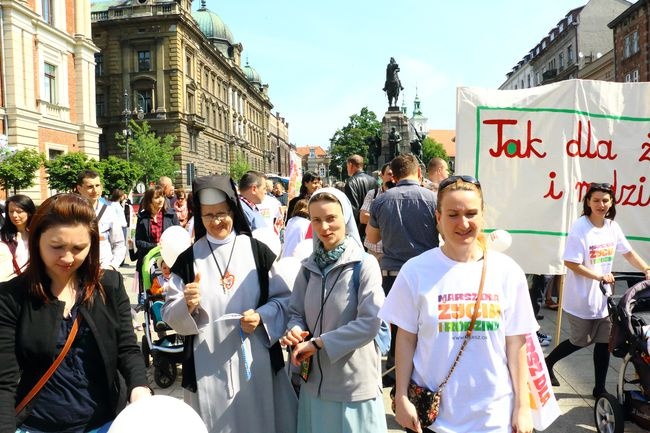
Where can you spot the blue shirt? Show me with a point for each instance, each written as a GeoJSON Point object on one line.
{"type": "Point", "coordinates": [254, 217]}
{"type": "Point", "coordinates": [406, 219]}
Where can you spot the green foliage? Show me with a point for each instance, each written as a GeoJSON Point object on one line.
{"type": "Point", "coordinates": [153, 154]}
{"type": "Point", "coordinates": [63, 170]}
{"type": "Point", "coordinates": [117, 173]}
{"type": "Point", "coordinates": [431, 149]}
{"type": "Point", "coordinates": [238, 168]}
{"type": "Point", "coordinates": [351, 139]}
{"type": "Point", "coordinates": [18, 170]}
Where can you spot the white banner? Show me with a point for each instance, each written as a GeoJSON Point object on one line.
{"type": "Point", "coordinates": [535, 152]}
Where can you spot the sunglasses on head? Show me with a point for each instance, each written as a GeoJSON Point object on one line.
{"type": "Point", "coordinates": [453, 179]}
{"type": "Point", "coordinates": [602, 186]}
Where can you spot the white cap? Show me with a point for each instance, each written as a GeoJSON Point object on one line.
{"type": "Point", "coordinates": [211, 196]}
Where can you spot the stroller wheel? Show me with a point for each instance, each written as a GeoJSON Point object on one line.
{"type": "Point", "coordinates": [146, 352]}
{"type": "Point", "coordinates": [608, 414]}
{"type": "Point", "coordinates": [164, 374]}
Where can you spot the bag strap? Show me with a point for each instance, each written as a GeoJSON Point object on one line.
{"type": "Point", "coordinates": [468, 334]}
{"type": "Point", "coordinates": [13, 246]}
{"type": "Point", "coordinates": [101, 212]}
{"type": "Point", "coordinates": [35, 390]}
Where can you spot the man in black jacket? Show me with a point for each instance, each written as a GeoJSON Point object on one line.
{"type": "Point", "coordinates": [356, 188]}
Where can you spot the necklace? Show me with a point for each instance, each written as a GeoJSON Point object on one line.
{"type": "Point", "coordinates": [227, 279]}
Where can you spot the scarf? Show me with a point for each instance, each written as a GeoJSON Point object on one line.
{"type": "Point", "coordinates": [325, 258]}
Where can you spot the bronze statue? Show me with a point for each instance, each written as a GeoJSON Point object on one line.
{"type": "Point", "coordinates": [416, 144]}
{"type": "Point", "coordinates": [392, 86]}
{"type": "Point", "coordinates": [394, 140]}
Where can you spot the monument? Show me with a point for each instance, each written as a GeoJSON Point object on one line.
{"type": "Point", "coordinates": [395, 135]}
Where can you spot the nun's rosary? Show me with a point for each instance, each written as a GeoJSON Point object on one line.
{"type": "Point", "coordinates": [227, 279]}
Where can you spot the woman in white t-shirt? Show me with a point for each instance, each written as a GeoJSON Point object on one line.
{"type": "Point", "coordinates": [589, 256]}
{"type": "Point", "coordinates": [431, 303]}
{"type": "Point", "coordinates": [297, 228]}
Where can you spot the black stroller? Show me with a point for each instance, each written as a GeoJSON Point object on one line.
{"type": "Point", "coordinates": [158, 343]}
{"type": "Point", "coordinates": [629, 314]}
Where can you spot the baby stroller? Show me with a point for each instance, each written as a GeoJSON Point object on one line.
{"type": "Point", "coordinates": [158, 343]}
{"type": "Point", "coordinates": [629, 313]}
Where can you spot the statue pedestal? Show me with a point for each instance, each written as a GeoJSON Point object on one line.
{"type": "Point", "coordinates": [394, 118]}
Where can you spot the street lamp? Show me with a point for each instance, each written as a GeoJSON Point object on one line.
{"type": "Point", "coordinates": [139, 112]}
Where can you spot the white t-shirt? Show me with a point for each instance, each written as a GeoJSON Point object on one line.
{"type": "Point", "coordinates": [294, 233]}
{"type": "Point", "coordinates": [433, 297]}
{"type": "Point", "coordinates": [593, 247]}
{"type": "Point", "coordinates": [271, 210]}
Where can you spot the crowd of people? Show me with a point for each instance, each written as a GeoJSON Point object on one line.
{"type": "Point", "coordinates": [271, 350]}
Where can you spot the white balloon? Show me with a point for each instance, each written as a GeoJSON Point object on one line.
{"type": "Point", "coordinates": [267, 235]}
{"type": "Point", "coordinates": [160, 414]}
{"type": "Point", "coordinates": [499, 240]}
{"type": "Point", "coordinates": [304, 249]}
{"type": "Point", "coordinates": [174, 241]}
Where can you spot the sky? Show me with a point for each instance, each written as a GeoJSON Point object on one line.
{"type": "Point", "coordinates": [324, 61]}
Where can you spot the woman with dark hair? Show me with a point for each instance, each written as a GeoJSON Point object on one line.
{"type": "Point", "coordinates": [14, 252]}
{"type": "Point", "coordinates": [591, 245]}
{"type": "Point", "coordinates": [63, 298]}
{"type": "Point", "coordinates": [224, 296]}
{"type": "Point", "coordinates": [153, 219]}
{"type": "Point", "coordinates": [310, 183]}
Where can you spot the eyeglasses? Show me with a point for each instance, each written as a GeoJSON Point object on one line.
{"type": "Point", "coordinates": [603, 186]}
{"type": "Point", "coordinates": [453, 179]}
{"type": "Point", "coordinates": [218, 217]}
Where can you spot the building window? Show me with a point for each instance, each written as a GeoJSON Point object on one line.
{"type": "Point", "coordinates": [321, 171]}
{"type": "Point", "coordinates": [99, 64]}
{"type": "Point", "coordinates": [144, 100]}
{"type": "Point", "coordinates": [48, 11]}
{"type": "Point", "coordinates": [100, 105]}
{"type": "Point", "coordinates": [312, 153]}
{"type": "Point", "coordinates": [569, 55]}
{"type": "Point", "coordinates": [560, 59]}
{"type": "Point", "coordinates": [190, 103]}
{"type": "Point", "coordinates": [630, 44]}
{"type": "Point", "coordinates": [144, 61]}
{"type": "Point", "coordinates": [632, 77]}
{"type": "Point", "coordinates": [193, 140]}
{"type": "Point", "coordinates": [209, 150]}
{"type": "Point", "coordinates": [49, 83]}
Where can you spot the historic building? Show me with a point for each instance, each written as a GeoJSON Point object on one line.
{"type": "Point", "coordinates": [631, 61]}
{"type": "Point", "coordinates": [576, 41]}
{"type": "Point", "coordinates": [418, 122]}
{"type": "Point", "coordinates": [315, 159]}
{"type": "Point", "coordinates": [46, 69]}
{"type": "Point", "coordinates": [280, 154]}
{"type": "Point", "coordinates": [181, 71]}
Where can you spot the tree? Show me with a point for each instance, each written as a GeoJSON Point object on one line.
{"type": "Point", "coordinates": [352, 139]}
{"type": "Point", "coordinates": [238, 168]}
{"type": "Point", "coordinates": [63, 170]}
{"type": "Point", "coordinates": [431, 149]}
{"type": "Point", "coordinates": [117, 173]}
{"type": "Point", "coordinates": [155, 155]}
{"type": "Point", "coordinates": [18, 169]}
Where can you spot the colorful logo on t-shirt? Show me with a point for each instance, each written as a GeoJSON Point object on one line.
{"type": "Point", "coordinates": [455, 312]}
{"type": "Point", "coordinates": [603, 253]}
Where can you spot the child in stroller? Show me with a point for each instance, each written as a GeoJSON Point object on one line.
{"type": "Point", "coordinates": [630, 316]}
{"type": "Point", "coordinates": [157, 292]}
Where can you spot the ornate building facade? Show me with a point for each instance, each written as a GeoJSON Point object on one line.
{"type": "Point", "coordinates": [46, 69]}
{"type": "Point", "coordinates": [181, 71]}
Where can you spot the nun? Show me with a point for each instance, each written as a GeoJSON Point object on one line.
{"type": "Point", "coordinates": [231, 305]}
{"type": "Point", "coordinates": [332, 325]}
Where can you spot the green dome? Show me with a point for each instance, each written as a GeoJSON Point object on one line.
{"type": "Point", "coordinates": [212, 26]}
{"type": "Point", "coordinates": [251, 74]}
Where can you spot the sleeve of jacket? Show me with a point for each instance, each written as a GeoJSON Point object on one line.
{"type": "Point", "coordinates": [130, 362]}
{"type": "Point", "coordinates": [9, 369]}
{"type": "Point", "coordinates": [141, 233]}
{"type": "Point", "coordinates": [363, 329]}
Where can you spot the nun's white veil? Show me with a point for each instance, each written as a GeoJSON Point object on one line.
{"type": "Point", "coordinates": [350, 225]}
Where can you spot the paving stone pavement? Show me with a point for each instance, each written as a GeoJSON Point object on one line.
{"type": "Point", "coordinates": [575, 374]}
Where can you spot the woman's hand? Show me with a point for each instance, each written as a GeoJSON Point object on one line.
{"type": "Point", "coordinates": [522, 420]}
{"type": "Point", "coordinates": [250, 321]}
{"type": "Point", "coordinates": [294, 336]}
{"type": "Point", "coordinates": [301, 352]}
{"type": "Point", "coordinates": [192, 294]}
{"type": "Point", "coordinates": [140, 392]}
{"type": "Point", "coordinates": [406, 415]}
{"type": "Point", "coordinates": [607, 278]}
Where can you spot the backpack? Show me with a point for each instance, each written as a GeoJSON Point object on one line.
{"type": "Point", "coordinates": [383, 338]}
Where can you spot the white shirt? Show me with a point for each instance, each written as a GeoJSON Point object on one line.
{"type": "Point", "coordinates": [593, 247]}
{"type": "Point", "coordinates": [112, 249]}
{"type": "Point", "coordinates": [434, 297]}
{"type": "Point", "coordinates": [294, 233]}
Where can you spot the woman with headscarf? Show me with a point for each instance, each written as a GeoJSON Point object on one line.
{"type": "Point", "coordinates": [333, 323]}
{"type": "Point", "coordinates": [14, 252]}
{"type": "Point", "coordinates": [225, 297]}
